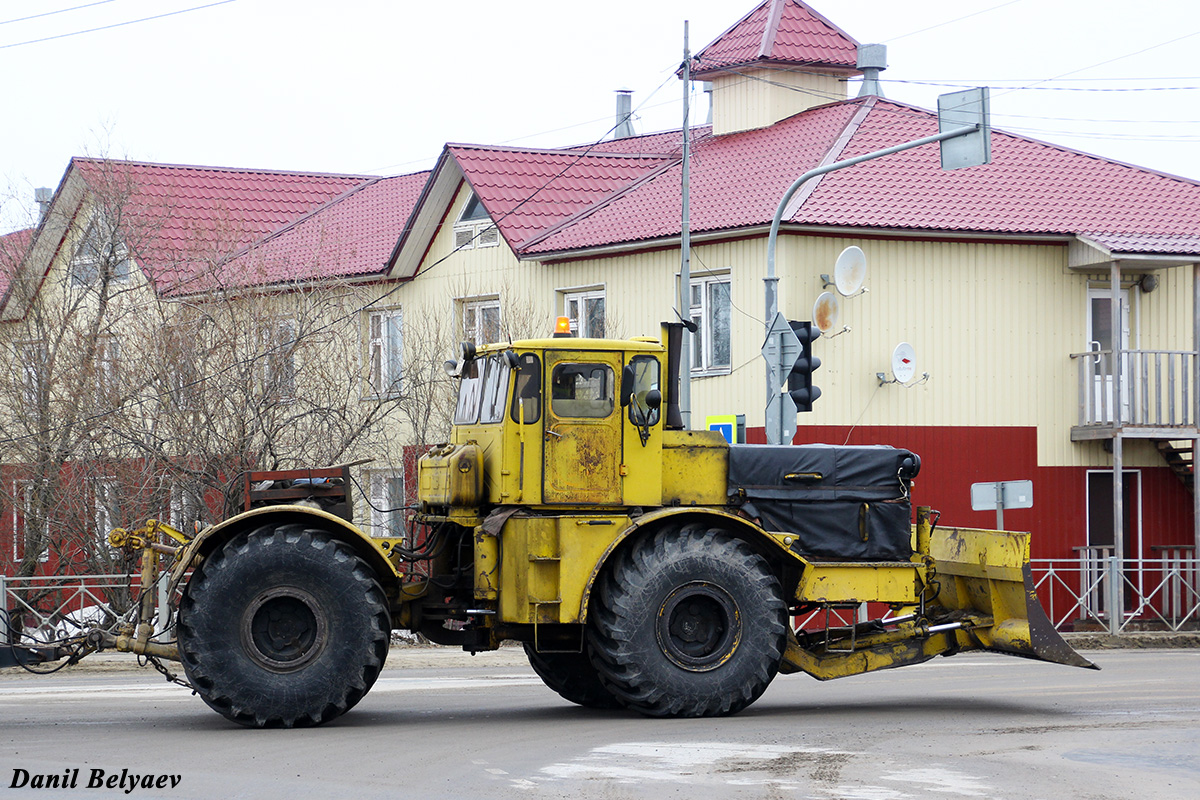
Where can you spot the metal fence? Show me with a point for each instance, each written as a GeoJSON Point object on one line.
{"type": "Point", "coordinates": [1103, 591]}
{"type": "Point", "coordinates": [48, 608]}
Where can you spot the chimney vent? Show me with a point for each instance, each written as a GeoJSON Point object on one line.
{"type": "Point", "coordinates": [872, 60]}
{"type": "Point", "coordinates": [43, 195]}
{"type": "Point", "coordinates": [624, 127]}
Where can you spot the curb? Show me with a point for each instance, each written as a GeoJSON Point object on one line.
{"type": "Point", "coordinates": [1137, 640]}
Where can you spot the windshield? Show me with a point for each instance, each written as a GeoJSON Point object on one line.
{"type": "Point", "coordinates": [483, 392]}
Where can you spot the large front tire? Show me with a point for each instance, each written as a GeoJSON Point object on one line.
{"type": "Point", "coordinates": [690, 623]}
{"type": "Point", "coordinates": [283, 627]}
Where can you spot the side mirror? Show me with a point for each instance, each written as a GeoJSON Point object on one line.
{"type": "Point", "coordinates": [627, 381]}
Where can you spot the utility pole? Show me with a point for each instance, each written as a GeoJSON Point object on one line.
{"type": "Point", "coordinates": [685, 244]}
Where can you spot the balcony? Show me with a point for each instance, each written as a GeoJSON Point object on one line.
{"type": "Point", "coordinates": [1158, 395]}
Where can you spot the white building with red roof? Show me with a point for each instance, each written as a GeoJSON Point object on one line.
{"type": "Point", "coordinates": [1002, 277]}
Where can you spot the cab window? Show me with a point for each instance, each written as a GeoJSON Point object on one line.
{"type": "Point", "coordinates": [495, 390]}
{"type": "Point", "coordinates": [645, 379]}
{"type": "Point", "coordinates": [582, 390]}
{"type": "Point", "coordinates": [527, 399]}
{"type": "Point", "coordinates": [470, 394]}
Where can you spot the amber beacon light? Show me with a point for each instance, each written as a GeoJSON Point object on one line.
{"type": "Point", "coordinates": [562, 327]}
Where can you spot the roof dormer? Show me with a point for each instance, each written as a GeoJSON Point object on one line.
{"type": "Point", "coordinates": [780, 59]}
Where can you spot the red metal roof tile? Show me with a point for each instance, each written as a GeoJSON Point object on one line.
{"type": "Point", "coordinates": [349, 236]}
{"type": "Point", "coordinates": [13, 247]}
{"type": "Point", "coordinates": [779, 32]}
{"type": "Point", "coordinates": [182, 217]}
{"type": "Point", "coordinates": [1030, 187]}
{"type": "Point", "coordinates": [527, 192]}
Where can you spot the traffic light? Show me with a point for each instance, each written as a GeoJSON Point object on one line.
{"type": "Point", "coordinates": [799, 382]}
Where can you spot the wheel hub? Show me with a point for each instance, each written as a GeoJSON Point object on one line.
{"type": "Point", "coordinates": [283, 629]}
{"type": "Point", "coordinates": [699, 626]}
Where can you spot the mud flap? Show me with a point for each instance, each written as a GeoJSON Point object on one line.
{"type": "Point", "coordinates": [984, 575]}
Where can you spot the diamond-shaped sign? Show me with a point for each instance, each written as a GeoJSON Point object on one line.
{"type": "Point", "coordinates": [781, 349]}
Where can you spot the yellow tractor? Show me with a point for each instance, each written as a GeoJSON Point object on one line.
{"type": "Point", "coordinates": [640, 564]}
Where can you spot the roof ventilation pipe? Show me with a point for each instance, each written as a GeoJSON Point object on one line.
{"type": "Point", "coordinates": [43, 195]}
{"type": "Point", "coordinates": [624, 127]}
{"type": "Point", "coordinates": [872, 60]}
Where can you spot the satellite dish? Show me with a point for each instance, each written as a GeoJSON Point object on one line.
{"type": "Point", "coordinates": [904, 362]}
{"type": "Point", "coordinates": [825, 311]}
{"type": "Point", "coordinates": [850, 271]}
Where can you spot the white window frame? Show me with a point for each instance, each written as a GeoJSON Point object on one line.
{"type": "Point", "coordinates": [277, 337]}
{"type": "Point", "coordinates": [108, 361]}
{"type": "Point", "coordinates": [31, 357]}
{"type": "Point", "coordinates": [472, 319]}
{"type": "Point", "coordinates": [477, 231]}
{"type": "Point", "coordinates": [186, 508]}
{"type": "Point", "coordinates": [104, 488]}
{"type": "Point", "coordinates": [385, 352]}
{"type": "Point", "coordinates": [701, 313]}
{"type": "Point", "coordinates": [22, 494]}
{"type": "Point", "coordinates": [574, 308]}
{"type": "Point", "coordinates": [89, 257]}
{"type": "Point", "coordinates": [386, 489]}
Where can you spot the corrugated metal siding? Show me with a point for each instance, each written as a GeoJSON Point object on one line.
{"type": "Point", "coordinates": [755, 98]}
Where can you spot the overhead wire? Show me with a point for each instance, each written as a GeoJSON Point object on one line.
{"type": "Point", "coordinates": [116, 24]}
{"type": "Point", "coordinates": [52, 13]}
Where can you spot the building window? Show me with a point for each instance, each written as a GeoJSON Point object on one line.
{"type": "Point", "coordinates": [29, 527]}
{"type": "Point", "coordinates": [100, 254]}
{"type": "Point", "coordinates": [387, 503]}
{"type": "Point", "coordinates": [385, 352]}
{"type": "Point", "coordinates": [277, 339]}
{"type": "Point", "coordinates": [585, 309]}
{"type": "Point", "coordinates": [31, 356]}
{"type": "Point", "coordinates": [474, 227]}
{"type": "Point", "coordinates": [710, 311]}
{"type": "Point", "coordinates": [107, 509]}
{"type": "Point", "coordinates": [187, 507]}
{"type": "Point", "coordinates": [481, 321]}
{"type": "Point", "coordinates": [108, 353]}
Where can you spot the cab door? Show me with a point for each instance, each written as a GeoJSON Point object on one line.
{"type": "Point", "coordinates": [583, 429]}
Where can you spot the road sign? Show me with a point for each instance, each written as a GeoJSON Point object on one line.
{"type": "Point", "coordinates": [999, 495]}
{"type": "Point", "coordinates": [958, 110]}
{"type": "Point", "coordinates": [781, 349]}
{"type": "Point", "coordinates": [781, 418]}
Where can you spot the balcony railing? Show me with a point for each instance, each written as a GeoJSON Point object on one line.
{"type": "Point", "coordinates": [1157, 388]}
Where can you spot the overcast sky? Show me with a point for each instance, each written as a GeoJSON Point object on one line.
{"type": "Point", "coordinates": [357, 86]}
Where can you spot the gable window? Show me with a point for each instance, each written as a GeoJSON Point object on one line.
{"type": "Point", "coordinates": [385, 351]}
{"type": "Point", "coordinates": [474, 227]}
{"type": "Point", "coordinates": [585, 309]}
{"type": "Point", "coordinates": [100, 255]}
{"type": "Point", "coordinates": [481, 321]}
{"type": "Point", "coordinates": [387, 503]}
{"type": "Point", "coordinates": [710, 311]}
{"type": "Point", "coordinates": [277, 338]}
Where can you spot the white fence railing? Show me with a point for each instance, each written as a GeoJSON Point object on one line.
{"type": "Point", "coordinates": [1101, 590]}
{"type": "Point", "coordinates": [48, 608]}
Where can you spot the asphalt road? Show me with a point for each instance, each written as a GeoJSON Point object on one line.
{"type": "Point", "coordinates": [439, 724]}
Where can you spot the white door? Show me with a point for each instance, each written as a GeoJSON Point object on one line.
{"type": "Point", "coordinates": [1101, 340]}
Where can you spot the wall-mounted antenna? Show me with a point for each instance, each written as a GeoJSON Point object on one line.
{"type": "Point", "coordinates": [825, 314]}
{"type": "Point", "coordinates": [904, 367]}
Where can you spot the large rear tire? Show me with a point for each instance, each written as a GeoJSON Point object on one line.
{"type": "Point", "coordinates": [689, 623]}
{"type": "Point", "coordinates": [283, 627]}
{"type": "Point", "coordinates": [573, 677]}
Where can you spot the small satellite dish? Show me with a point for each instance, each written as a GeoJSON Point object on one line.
{"type": "Point", "coordinates": [825, 311]}
{"type": "Point", "coordinates": [850, 271]}
{"type": "Point", "coordinates": [904, 362]}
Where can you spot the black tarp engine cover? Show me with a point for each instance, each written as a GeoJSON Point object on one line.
{"type": "Point", "coordinates": [844, 503]}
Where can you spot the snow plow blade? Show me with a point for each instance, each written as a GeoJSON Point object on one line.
{"type": "Point", "coordinates": [972, 590]}
{"type": "Point", "coordinates": [986, 573]}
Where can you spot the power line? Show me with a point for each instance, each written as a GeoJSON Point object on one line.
{"type": "Point", "coordinates": [52, 13]}
{"type": "Point", "coordinates": [115, 25]}
{"type": "Point", "coordinates": [951, 21]}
